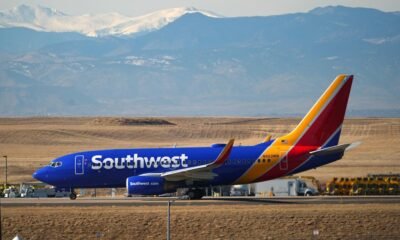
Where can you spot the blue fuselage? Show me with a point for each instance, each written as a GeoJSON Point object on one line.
{"type": "Point", "coordinates": [81, 170]}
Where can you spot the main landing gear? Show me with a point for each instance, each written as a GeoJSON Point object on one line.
{"type": "Point", "coordinates": [72, 195]}
{"type": "Point", "coordinates": [195, 193]}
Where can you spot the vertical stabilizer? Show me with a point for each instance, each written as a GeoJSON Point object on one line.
{"type": "Point", "coordinates": [320, 128]}
{"type": "Point", "coordinates": [322, 124]}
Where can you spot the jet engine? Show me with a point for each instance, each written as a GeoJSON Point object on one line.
{"type": "Point", "coordinates": [148, 185]}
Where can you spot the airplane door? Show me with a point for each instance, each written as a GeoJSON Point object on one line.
{"type": "Point", "coordinates": [79, 168]}
{"type": "Point", "coordinates": [283, 164]}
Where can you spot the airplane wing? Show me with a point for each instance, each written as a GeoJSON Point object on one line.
{"type": "Point", "coordinates": [334, 149]}
{"type": "Point", "coordinates": [201, 172]}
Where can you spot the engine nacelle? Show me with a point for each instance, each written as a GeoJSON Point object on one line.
{"type": "Point", "coordinates": [146, 185]}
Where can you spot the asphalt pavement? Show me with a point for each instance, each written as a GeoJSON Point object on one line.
{"type": "Point", "coordinates": [160, 201]}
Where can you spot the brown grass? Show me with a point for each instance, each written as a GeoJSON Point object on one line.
{"type": "Point", "coordinates": [346, 221]}
{"type": "Point", "coordinates": [32, 142]}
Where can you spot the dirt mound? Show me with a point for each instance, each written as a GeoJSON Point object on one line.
{"type": "Point", "coordinates": [108, 121]}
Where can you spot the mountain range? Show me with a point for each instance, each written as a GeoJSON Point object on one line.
{"type": "Point", "coordinates": [185, 61]}
{"type": "Point", "coordinates": [45, 19]}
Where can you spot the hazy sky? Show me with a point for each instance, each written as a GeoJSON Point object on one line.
{"type": "Point", "coordinates": [225, 8]}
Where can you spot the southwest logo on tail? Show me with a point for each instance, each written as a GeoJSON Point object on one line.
{"type": "Point", "coordinates": [152, 171]}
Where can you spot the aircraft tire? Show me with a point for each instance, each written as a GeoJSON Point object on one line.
{"type": "Point", "coordinates": [195, 194]}
{"type": "Point", "coordinates": [72, 196]}
{"type": "Point", "coordinates": [199, 193]}
{"type": "Point", "coordinates": [191, 195]}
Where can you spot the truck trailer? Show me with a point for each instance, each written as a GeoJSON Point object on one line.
{"type": "Point", "coordinates": [285, 187]}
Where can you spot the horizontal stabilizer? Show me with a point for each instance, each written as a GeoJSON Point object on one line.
{"type": "Point", "coordinates": [334, 149]}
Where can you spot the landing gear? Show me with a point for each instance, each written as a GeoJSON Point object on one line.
{"type": "Point", "coordinates": [196, 193]}
{"type": "Point", "coordinates": [72, 195]}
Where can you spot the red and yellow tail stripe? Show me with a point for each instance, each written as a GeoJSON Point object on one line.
{"type": "Point", "coordinates": [290, 151]}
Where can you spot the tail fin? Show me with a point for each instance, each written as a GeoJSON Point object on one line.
{"type": "Point", "coordinates": [322, 124]}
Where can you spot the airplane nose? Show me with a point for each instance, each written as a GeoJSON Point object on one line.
{"type": "Point", "coordinates": [40, 175]}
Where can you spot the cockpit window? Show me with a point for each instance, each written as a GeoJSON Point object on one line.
{"type": "Point", "coordinates": [55, 164]}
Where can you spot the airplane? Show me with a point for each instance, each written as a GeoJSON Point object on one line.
{"type": "Point", "coordinates": [155, 171]}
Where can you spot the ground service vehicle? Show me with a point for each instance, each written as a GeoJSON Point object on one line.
{"type": "Point", "coordinates": [285, 187]}
{"type": "Point", "coordinates": [240, 190]}
{"type": "Point", "coordinates": [372, 185]}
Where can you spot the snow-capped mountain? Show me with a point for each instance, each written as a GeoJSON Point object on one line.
{"type": "Point", "coordinates": [181, 68]}
{"type": "Point", "coordinates": [41, 18]}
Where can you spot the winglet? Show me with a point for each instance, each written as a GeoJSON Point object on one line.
{"type": "Point", "coordinates": [223, 156]}
{"type": "Point", "coordinates": [202, 171]}
{"type": "Point", "coordinates": [267, 138]}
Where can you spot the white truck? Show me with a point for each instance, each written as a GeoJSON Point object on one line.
{"type": "Point", "coordinates": [285, 187]}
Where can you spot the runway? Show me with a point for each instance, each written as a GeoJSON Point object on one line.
{"type": "Point", "coordinates": [160, 201]}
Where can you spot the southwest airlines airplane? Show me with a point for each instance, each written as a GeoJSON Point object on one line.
{"type": "Point", "coordinates": [154, 171]}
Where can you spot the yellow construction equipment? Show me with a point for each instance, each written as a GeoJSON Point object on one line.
{"type": "Point", "coordinates": [379, 184]}
{"type": "Point", "coordinates": [331, 187]}
{"type": "Point", "coordinates": [394, 185]}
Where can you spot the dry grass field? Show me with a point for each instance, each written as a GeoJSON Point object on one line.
{"type": "Point", "coordinates": [340, 221]}
{"type": "Point", "coordinates": [32, 142]}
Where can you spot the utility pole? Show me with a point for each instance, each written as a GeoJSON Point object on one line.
{"type": "Point", "coordinates": [5, 156]}
{"type": "Point", "coordinates": [168, 220]}
{"type": "Point", "coordinates": [1, 222]}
